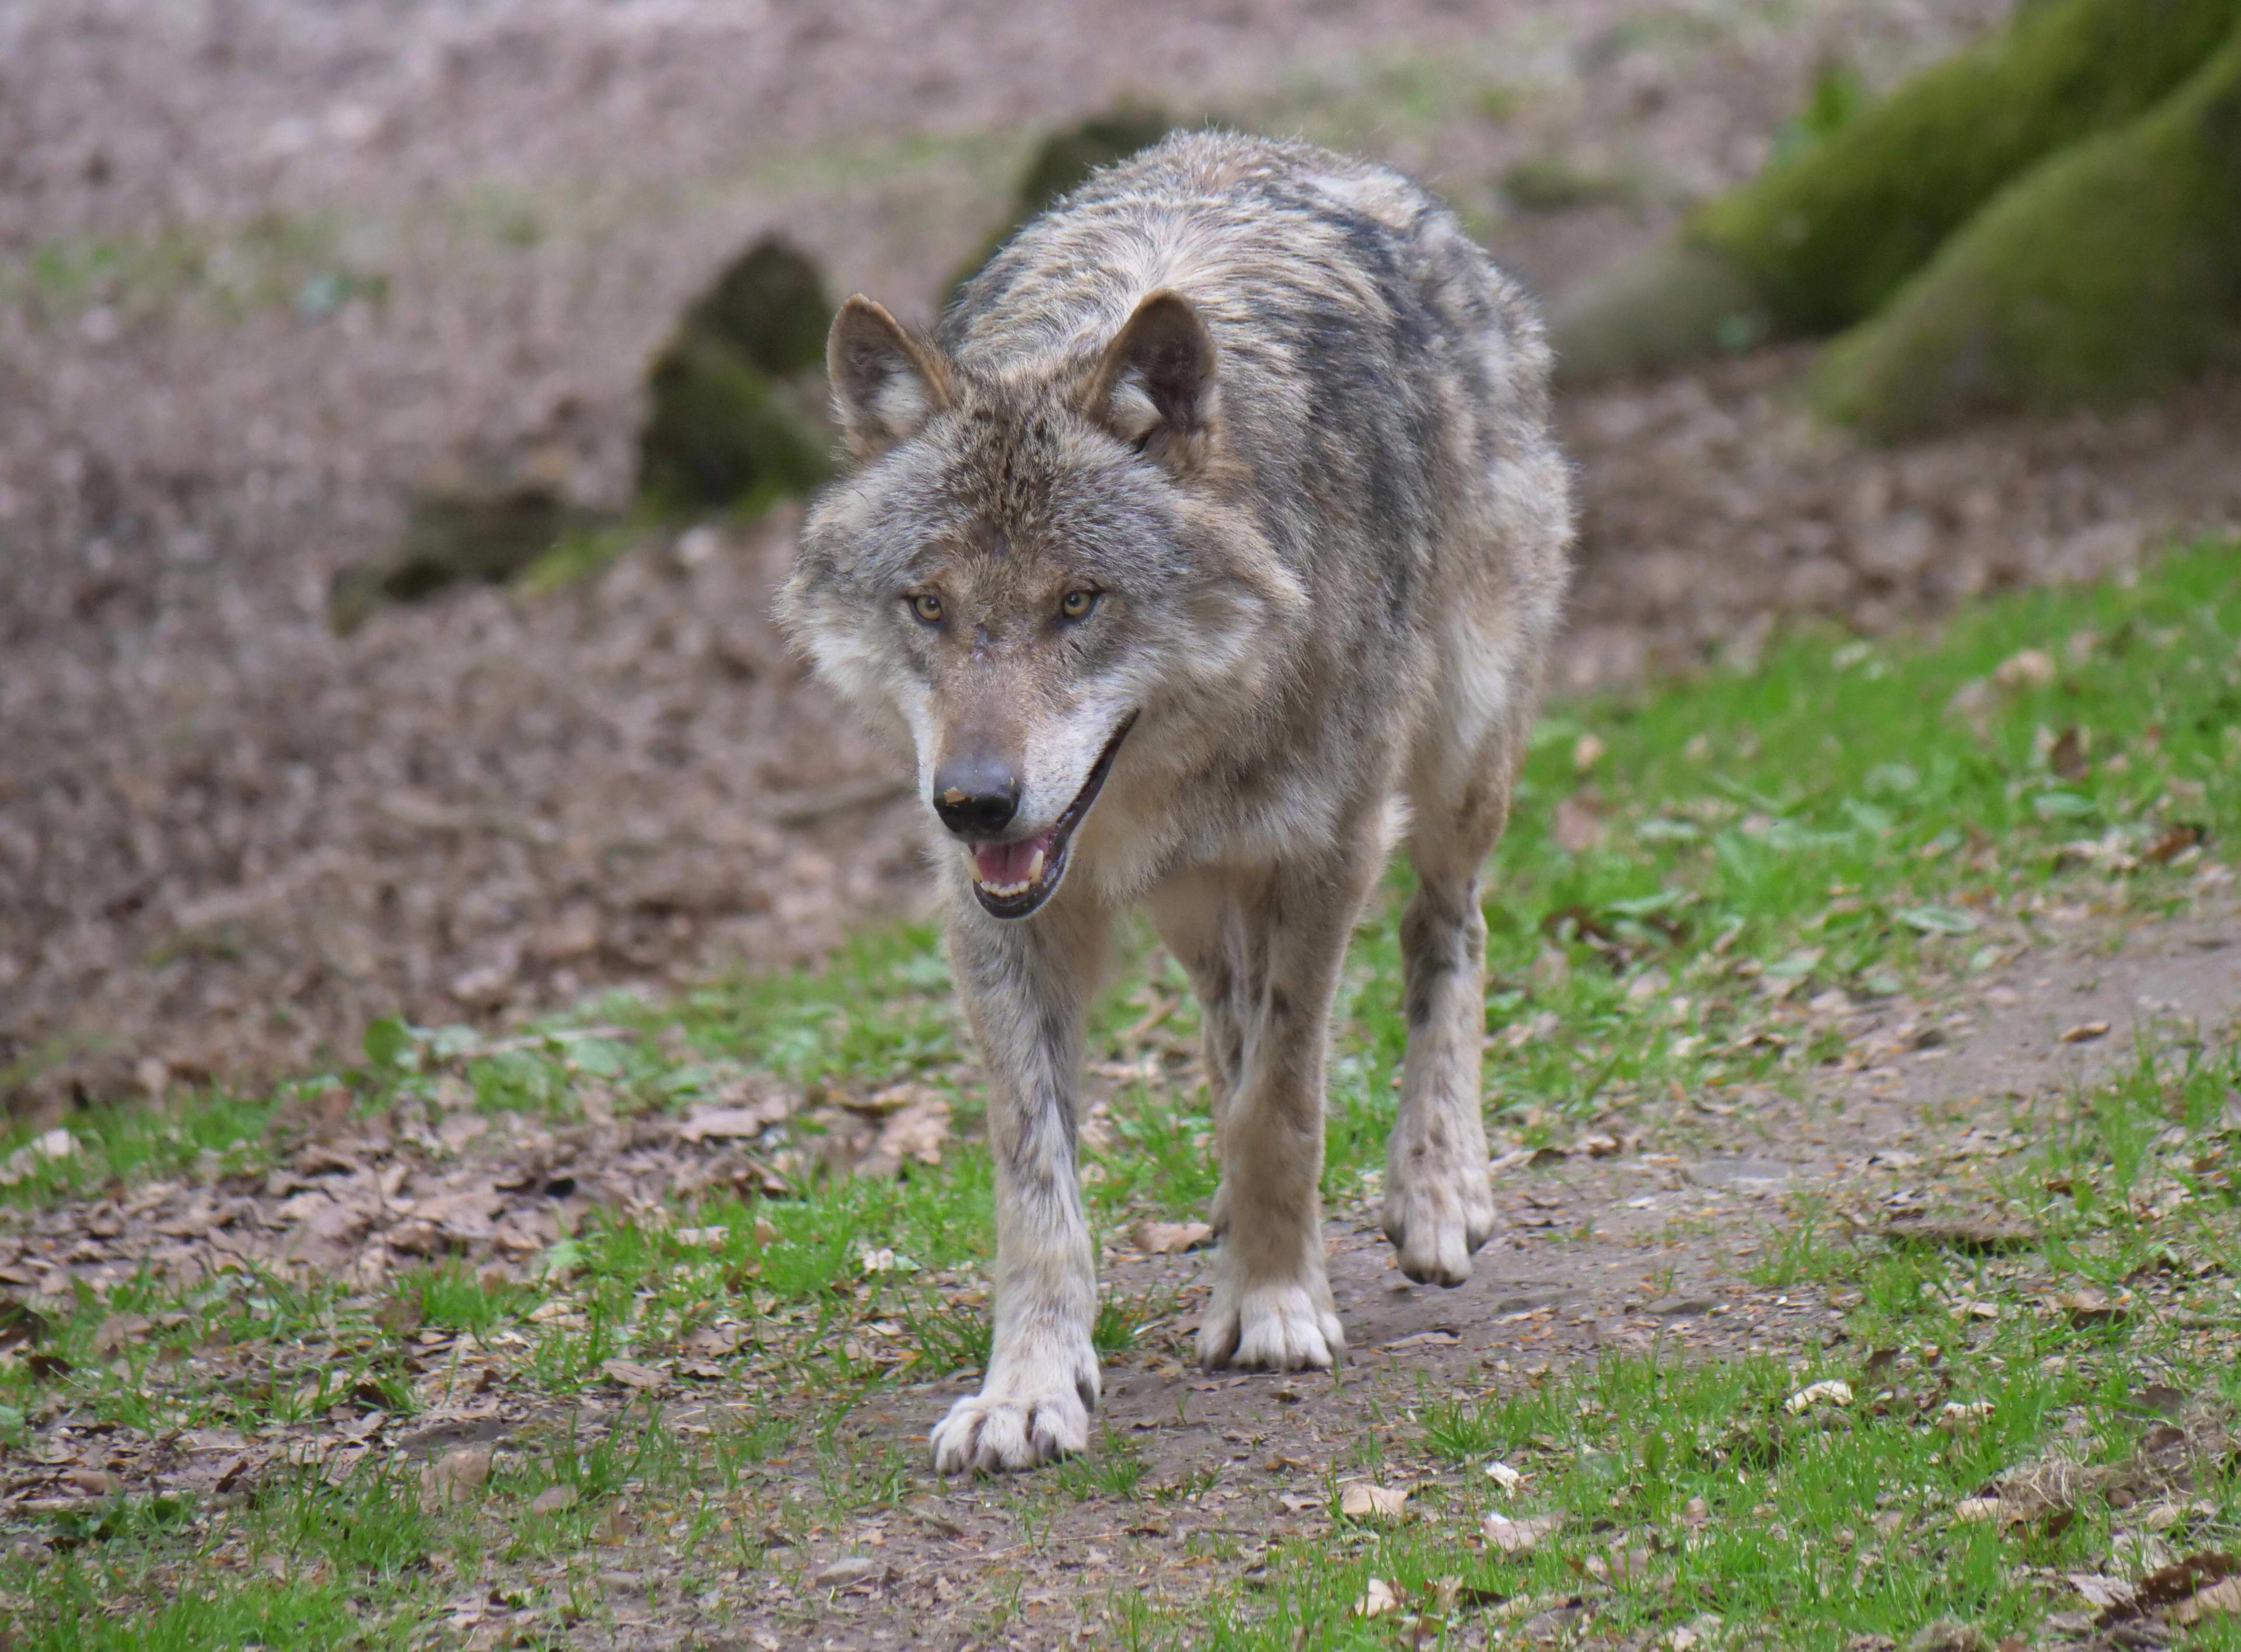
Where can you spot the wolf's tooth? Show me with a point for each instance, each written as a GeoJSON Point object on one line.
{"type": "Point", "coordinates": [1035, 868]}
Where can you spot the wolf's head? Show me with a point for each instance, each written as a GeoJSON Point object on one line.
{"type": "Point", "coordinates": [1033, 567]}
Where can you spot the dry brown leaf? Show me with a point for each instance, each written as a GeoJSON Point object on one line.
{"type": "Point", "coordinates": [552, 1500]}
{"type": "Point", "coordinates": [1831, 1392]}
{"type": "Point", "coordinates": [646, 1378]}
{"type": "Point", "coordinates": [2223, 1597]}
{"type": "Point", "coordinates": [1518, 1537]}
{"type": "Point", "coordinates": [916, 1131]}
{"type": "Point", "coordinates": [2089, 1307]}
{"type": "Point", "coordinates": [455, 1476]}
{"type": "Point", "coordinates": [2180, 1582]}
{"type": "Point", "coordinates": [2175, 843]}
{"type": "Point", "coordinates": [1378, 1597]}
{"type": "Point", "coordinates": [1620, 1566]}
{"type": "Point", "coordinates": [21, 1325]}
{"type": "Point", "coordinates": [2103, 1593]}
{"type": "Point", "coordinates": [735, 1124]}
{"type": "Point", "coordinates": [848, 1569]}
{"type": "Point", "coordinates": [2084, 1032]}
{"type": "Point", "coordinates": [1167, 1238]}
{"type": "Point", "coordinates": [1373, 1502]}
{"type": "Point", "coordinates": [2028, 668]}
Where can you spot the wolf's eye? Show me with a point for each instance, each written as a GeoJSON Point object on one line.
{"type": "Point", "coordinates": [1076, 605]}
{"type": "Point", "coordinates": [927, 609]}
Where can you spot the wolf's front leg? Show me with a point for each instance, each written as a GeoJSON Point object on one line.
{"type": "Point", "coordinates": [1272, 1304]}
{"type": "Point", "coordinates": [1024, 985]}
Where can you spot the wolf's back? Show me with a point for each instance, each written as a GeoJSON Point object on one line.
{"type": "Point", "coordinates": [1374, 366]}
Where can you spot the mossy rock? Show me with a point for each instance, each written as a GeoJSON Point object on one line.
{"type": "Point", "coordinates": [719, 432]}
{"type": "Point", "coordinates": [1831, 237]}
{"type": "Point", "coordinates": [1063, 164]}
{"type": "Point", "coordinates": [768, 304]}
{"type": "Point", "coordinates": [2108, 271]}
{"type": "Point", "coordinates": [1823, 238]}
{"type": "Point", "coordinates": [735, 400]}
{"type": "Point", "coordinates": [449, 541]}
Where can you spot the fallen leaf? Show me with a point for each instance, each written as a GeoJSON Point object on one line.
{"type": "Point", "coordinates": [1377, 1599]}
{"type": "Point", "coordinates": [2066, 757]}
{"type": "Point", "coordinates": [2089, 1306]}
{"type": "Point", "coordinates": [97, 1482]}
{"type": "Point", "coordinates": [2223, 1597]}
{"type": "Point", "coordinates": [455, 1476]}
{"type": "Point", "coordinates": [41, 1149]}
{"type": "Point", "coordinates": [1518, 1537]}
{"type": "Point", "coordinates": [848, 1569]}
{"type": "Point", "coordinates": [1503, 1475]}
{"type": "Point", "coordinates": [915, 1132]}
{"type": "Point", "coordinates": [2175, 843]}
{"type": "Point", "coordinates": [735, 1124]}
{"type": "Point", "coordinates": [1167, 1238]}
{"type": "Point", "coordinates": [1620, 1566]}
{"type": "Point", "coordinates": [1974, 1508]}
{"type": "Point", "coordinates": [20, 1326]}
{"type": "Point", "coordinates": [1372, 1502]}
{"type": "Point", "coordinates": [2027, 668]}
{"type": "Point", "coordinates": [1830, 1392]}
{"type": "Point", "coordinates": [1425, 1339]}
{"type": "Point", "coordinates": [1587, 752]}
{"type": "Point", "coordinates": [2084, 1032]}
{"type": "Point", "coordinates": [552, 1500]}
{"type": "Point", "coordinates": [2170, 1585]}
{"type": "Point", "coordinates": [2103, 1593]}
{"type": "Point", "coordinates": [646, 1378]}
{"type": "Point", "coordinates": [402, 1315]}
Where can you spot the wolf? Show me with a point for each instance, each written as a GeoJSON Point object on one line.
{"type": "Point", "coordinates": [1213, 541]}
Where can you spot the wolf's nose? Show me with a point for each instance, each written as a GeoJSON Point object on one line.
{"type": "Point", "coordinates": [975, 798]}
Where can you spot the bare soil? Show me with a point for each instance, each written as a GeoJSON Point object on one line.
{"type": "Point", "coordinates": [266, 268]}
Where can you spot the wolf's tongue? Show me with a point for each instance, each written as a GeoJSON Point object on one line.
{"type": "Point", "coordinates": [1005, 864]}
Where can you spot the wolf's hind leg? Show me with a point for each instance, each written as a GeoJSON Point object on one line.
{"type": "Point", "coordinates": [1025, 986]}
{"type": "Point", "coordinates": [1439, 1209]}
{"type": "Point", "coordinates": [1272, 1305]}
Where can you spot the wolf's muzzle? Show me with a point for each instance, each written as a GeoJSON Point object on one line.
{"type": "Point", "coordinates": [1012, 880]}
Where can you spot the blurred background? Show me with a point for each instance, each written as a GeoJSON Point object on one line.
{"type": "Point", "coordinates": [403, 412]}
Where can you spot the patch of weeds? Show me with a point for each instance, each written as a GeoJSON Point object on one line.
{"type": "Point", "coordinates": [1113, 1468]}
{"type": "Point", "coordinates": [950, 1336]}
{"type": "Point", "coordinates": [1809, 1250]}
{"type": "Point", "coordinates": [451, 1295]}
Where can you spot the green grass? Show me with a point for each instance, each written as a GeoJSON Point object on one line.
{"type": "Point", "coordinates": [1821, 822]}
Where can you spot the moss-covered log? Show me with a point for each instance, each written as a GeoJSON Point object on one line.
{"type": "Point", "coordinates": [1815, 243]}
{"type": "Point", "coordinates": [2109, 269]}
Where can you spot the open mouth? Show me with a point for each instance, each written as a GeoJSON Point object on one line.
{"type": "Point", "coordinates": [1012, 880]}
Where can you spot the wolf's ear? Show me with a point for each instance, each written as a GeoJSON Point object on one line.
{"type": "Point", "coordinates": [1153, 387]}
{"type": "Point", "coordinates": [886, 384]}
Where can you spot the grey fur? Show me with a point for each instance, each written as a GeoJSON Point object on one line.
{"type": "Point", "coordinates": [1291, 425]}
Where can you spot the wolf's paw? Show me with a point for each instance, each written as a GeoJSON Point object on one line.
{"type": "Point", "coordinates": [1270, 1327]}
{"type": "Point", "coordinates": [1016, 1423]}
{"type": "Point", "coordinates": [1437, 1221]}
